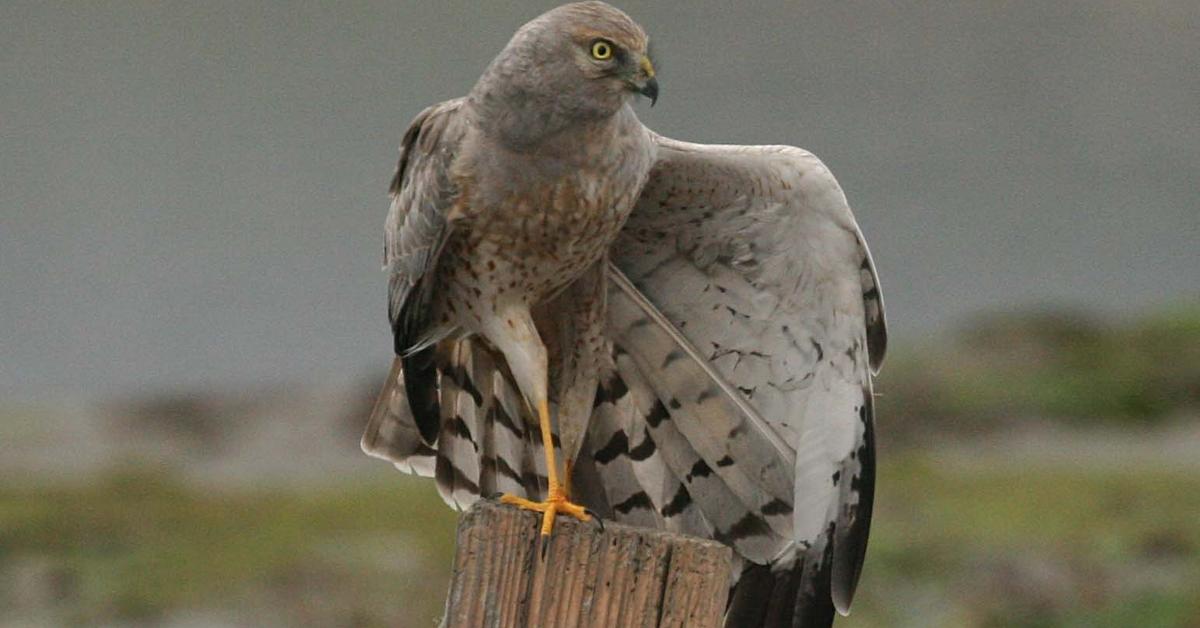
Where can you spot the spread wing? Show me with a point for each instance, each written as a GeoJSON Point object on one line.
{"type": "Point", "coordinates": [748, 323]}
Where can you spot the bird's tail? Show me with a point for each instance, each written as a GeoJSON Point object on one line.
{"type": "Point", "coordinates": [392, 433]}
{"type": "Point", "coordinates": [485, 441]}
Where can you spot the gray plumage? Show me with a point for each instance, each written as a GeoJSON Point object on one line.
{"type": "Point", "coordinates": [703, 321]}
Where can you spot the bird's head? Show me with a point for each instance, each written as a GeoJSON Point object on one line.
{"type": "Point", "coordinates": [609, 49]}
{"type": "Point", "coordinates": [580, 61]}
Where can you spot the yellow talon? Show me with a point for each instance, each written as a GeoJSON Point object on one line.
{"type": "Point", "coordinates": [556, 503]}
{"type": "Point", "coordinates": [556, 500]}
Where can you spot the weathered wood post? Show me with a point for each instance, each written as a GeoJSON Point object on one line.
{"type": "Point", "coordinates": [585, 577]}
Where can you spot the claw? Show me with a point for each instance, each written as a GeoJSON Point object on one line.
{"type": "Point", "coordinates": [595, 517]}
{"type": "Point", "coordinates": [555, 504]}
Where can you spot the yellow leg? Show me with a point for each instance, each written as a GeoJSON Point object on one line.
{"type": "Point", "coordinates": [566, 481]}
{"type": "Point", "coordinates": [557, 500]}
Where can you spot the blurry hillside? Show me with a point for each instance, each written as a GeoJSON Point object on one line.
{"type": "Point", "coordinates": [1067, 367]}
{"type": "Point", "coordinates": [1036, 470]}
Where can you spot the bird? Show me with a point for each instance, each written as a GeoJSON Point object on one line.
{"type": "Point", "coordinates": [693, 330]}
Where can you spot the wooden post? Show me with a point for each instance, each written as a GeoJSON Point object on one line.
{"type": "Point", "coordinates": [621, 576]}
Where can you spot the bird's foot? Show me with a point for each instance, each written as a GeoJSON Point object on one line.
{"type": "Point", "coordinates": [556, 503]}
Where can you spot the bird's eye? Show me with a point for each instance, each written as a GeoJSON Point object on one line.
{"type": "Point", "coordinates": [602, 50]}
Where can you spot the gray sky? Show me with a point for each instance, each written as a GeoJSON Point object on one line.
{"type": "Point", "coordinates": [191, 193]}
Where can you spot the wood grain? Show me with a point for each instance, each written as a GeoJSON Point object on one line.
{"type": "Point", "coordinates": [621, 576]}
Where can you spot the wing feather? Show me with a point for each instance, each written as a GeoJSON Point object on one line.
{"type": "Point", "coordinates": [423, 191]}
{"type": "Point", "coordinates": [751, 259]}
{"type": "Point", "coordinates": [696, 420]}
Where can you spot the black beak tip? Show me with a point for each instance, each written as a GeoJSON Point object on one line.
{"type": "Point", "coordinates": [650, 90]}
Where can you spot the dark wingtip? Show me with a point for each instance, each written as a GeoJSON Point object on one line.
{"type": "Point", "coordinates": [749, 598]}
{"type": "Point", "coordinates": [420, 384]}
{"type": "Point", "coordinates": [851, 536]}
{"type": "Point", "coordinates": [821, 584]}
{"type": "Point", "coordinates": [814, 603]}
{"type": "Point", "coordinates": [788, 597]}
{"type": "Point", "coordinates": [877, 342]}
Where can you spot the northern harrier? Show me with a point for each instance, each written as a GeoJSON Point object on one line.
{"type": "Point", "coordinates": [692, 329]}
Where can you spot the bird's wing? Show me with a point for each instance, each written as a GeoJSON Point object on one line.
{"type": "Point", "coordinates": [747, 323]}
{"type": "Point", "coordinates": [422, 193]}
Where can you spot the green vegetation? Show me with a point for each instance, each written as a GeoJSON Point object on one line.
{"type": "Point", "coordinates": [963, 544]}
{"type": "Point", "coordinates": [955, 544]}
{"type": "Point", "coordinates": [137, 546]}
{"type": "Point", "coordinates": [971, 531]}
{"type": "Point", "coordinates": [1048, 365]}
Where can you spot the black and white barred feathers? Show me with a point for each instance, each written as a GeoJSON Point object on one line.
{"type": "Point", "coordinates": [746, 323]}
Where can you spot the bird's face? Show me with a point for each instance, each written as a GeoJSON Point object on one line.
{"type": "Point", "coordinates": [579, 61]}
{"type": "Point", "coordinates": [615, 60]}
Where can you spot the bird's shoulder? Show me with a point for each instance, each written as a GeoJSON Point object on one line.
{"type": "Point", "coordinates": [435, 132]}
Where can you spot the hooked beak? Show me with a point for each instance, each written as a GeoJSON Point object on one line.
{"type": "Point", "coordinates": [649, 88]}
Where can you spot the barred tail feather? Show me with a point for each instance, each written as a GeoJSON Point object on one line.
{"type": "Point", "coordinates": [461, 435]}
{"type": "Point", "coordinates": [392, 432]}
{"type": "Point", "coordinates": [485, 441]}
{"type": "Point", "coordinates": [520, 435]}
{"type": "Point", "coordinates": [612, 420]}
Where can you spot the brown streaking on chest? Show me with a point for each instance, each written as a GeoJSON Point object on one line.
{"type": "Point", "coordinates": [535, 243]}
{"type": "Point", "coordinates": [554, 220]}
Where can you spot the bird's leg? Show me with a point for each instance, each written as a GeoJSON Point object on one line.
{"type": "Point", "coordinates": [582, 346]}
{"type": "Point", "coordinates": [518, 339]}
{"type": "Point", "coordinates": [557, 497]}
{"type": "Point", "coordinates": [566, 481]}
{"type": "Point", "coordinates": [557, 500]}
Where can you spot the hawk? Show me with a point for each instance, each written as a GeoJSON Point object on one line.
{"type": "Point", "coordinates": [691, 329]}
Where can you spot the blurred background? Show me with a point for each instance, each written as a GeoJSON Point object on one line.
{"type": "Point", "coordinates": [192, 315]}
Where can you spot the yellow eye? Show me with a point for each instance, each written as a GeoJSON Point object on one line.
{"type": "Point", "coordinates": [602, 50]}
